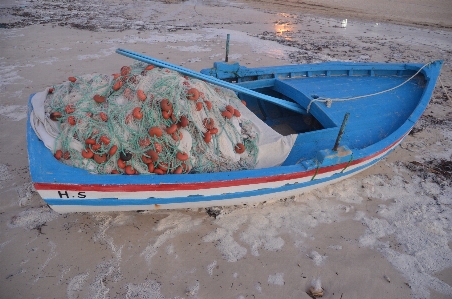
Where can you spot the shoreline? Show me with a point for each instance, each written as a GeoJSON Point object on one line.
{"type": "Point", "coordinates": [439, 16]}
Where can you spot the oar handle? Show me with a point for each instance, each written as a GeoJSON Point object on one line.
{"type": "Point", "coordinates": [140, 57]}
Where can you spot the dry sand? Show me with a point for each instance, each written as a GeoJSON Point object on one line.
{"type": "Point", "coordinates": [386, 233]}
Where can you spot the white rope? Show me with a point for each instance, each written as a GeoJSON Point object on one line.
{"type": "Point", "coordinates": [329, 101]}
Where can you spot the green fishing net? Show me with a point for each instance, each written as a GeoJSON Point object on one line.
{"type": "Point", "coordinates": [148, 119]}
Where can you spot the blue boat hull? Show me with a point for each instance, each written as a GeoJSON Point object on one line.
{"type": "Point", "coordinates": [377, 124]}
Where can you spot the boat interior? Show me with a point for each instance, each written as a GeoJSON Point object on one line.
{"type": "Point", "coordinates": [371, 118]}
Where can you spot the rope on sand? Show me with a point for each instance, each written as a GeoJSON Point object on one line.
{"type": "Point", "coordinates": [445, 90]}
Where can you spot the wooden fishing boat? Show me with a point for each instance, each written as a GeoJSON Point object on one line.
{"type": "Point", "coordinates": [348, 116]}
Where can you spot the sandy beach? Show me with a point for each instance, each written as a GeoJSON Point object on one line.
{"type": "Point", "coordinates": [385, 233]}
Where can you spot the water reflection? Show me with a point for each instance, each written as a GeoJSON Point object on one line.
{"type": "Point", "coordinates": [283, 30]}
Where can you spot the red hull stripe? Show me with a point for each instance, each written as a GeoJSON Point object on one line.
{"type": "Point", "coordinates": [204, 185]}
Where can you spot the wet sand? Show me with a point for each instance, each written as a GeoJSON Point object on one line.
{"type": "Point", "coordinates": [385, 233]}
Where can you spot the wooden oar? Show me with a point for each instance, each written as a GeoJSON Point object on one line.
{"type": "Point", "coordinates": [140, 57]}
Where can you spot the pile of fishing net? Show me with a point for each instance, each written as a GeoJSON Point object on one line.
{"type": "Point", "coordinates": [145, 120]}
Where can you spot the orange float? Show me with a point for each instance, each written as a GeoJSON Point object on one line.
{"type": "Point", "coordinates": [67, 155]}
{"type": "Point", "coordinates": [184, 121]}
{"type": "Point", "coordinates": [69, 109]}
{"type": "Point", "coordinates": [213, 131]}
{"type": "Point", "coordinates": [100, 158]}
{"type": "Point", "coordinates": [178, 170]}
{"type": "Point", "coordinates": [163, 166]}
{"type": "Point", "coordinates": [207, 137]}
{"type": "Point", "coordinates": [71, 120]}
{"type": "Point", "coordinates": [125, 70]}
{"type": "Point", "coordinates": [185, 167]}
{"type": "Point", "coordinates": [105, 140]}
{"type": "Point", "coordinates": [226, 114]}
{"type": "Point", "coordinates": [113, 150]}
{"type": "Point", "coordinates": [171, 129]}
{"type": "Point", "coordinates": [149, 67]}
{"type": "Point", "coordinates": [146, 160]}
{"type": "Point", "coordinates": [87, 153]}
{"type": "Point", "coordinates": [237, 113]}
{"type": "Point", "coordinates": [117, 85]}
{"type": "Point", "coordinates": [151, 167]}
{"type": "Point", "coordinates": [129, 118]}
{"type": "Point", "coordinates": [230, 109]}
{"type": "Point", "coordinates": [141, 95]}
{"type": "Point", "coordinates": [144, 142]}
{"type": "Point", "coordinates": [158, 171]}
{"type": "Point", "coordinates": [192, 94]}
{"type": "Point", "coordinates": [198, 106]}
{"type": "Point", "coordinates": [121, 164]}
{"type": "Point", "coordinates": [243, 102]}
{"type": "Point", "coordinates": [72, 79]}
{"type": "Point", "coordinates": [129, 170]}
{"type": "Point", "coordinates": [158, 147]}
{"type": "Point", "coordinates": [90, 141]}
{"type": "Point", "coordinates": [114, 171]}
{"type": "Point", "coordinates": [51, 90]}
{"type": "Point", "coordinates": [177, 136]}
{"type": "Point", "coordinates": [137, 113]}
{"type": "Point", "coordinates": [153, 155]}
{"type": "Point", "coordinates": [103, 116]}
{"type": "Point", "coordinates": [155, 132]}
{"type": "Point", "coordinates": [182, 156]}
{"type": "Point", "coordinates": [98, 99]}
{"type": "Point", "coordinates": [208, 123]}
{"type": "Point", "coordinates": [167, 114]}
{"type": "Point", "coordinates": [58, 154]}
{"type": "Point", "coordinates": [166, 105]}
{"type": "Point", "coordinates": [128, 94]}
{"type": "Point", "coordinates": [208, 105]}
{"type": "Point", "coordinates": [96, 147]}
{"type": "Point", "coordinates": [239, 148]}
